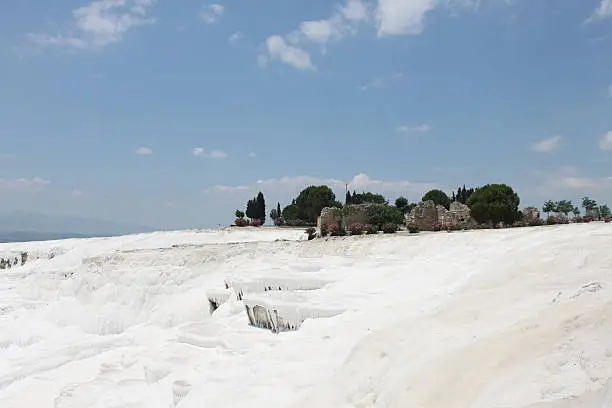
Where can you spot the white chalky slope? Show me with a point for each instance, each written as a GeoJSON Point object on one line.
{"type": "Point", "coordinates": [481, 319]}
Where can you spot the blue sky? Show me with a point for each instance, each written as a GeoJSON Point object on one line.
{"type": "Point", "coordinates": [172, 115]}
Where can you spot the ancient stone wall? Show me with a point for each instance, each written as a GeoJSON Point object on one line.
{"type": "Point", "coordinates": [347, 215]}
{"type": "Point", "coordinates": [329, 215]}
{"type": "Point", "coordinates": [356, 213]}
{"type": "Point", "coordinates": [531, 214]}
{"type": "Point", "coordinates": [426, 216]}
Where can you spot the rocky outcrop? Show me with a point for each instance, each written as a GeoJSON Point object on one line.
{"type": "Point", "coordinates": [428, 216]}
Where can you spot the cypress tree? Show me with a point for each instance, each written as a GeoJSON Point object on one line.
{"type": "Point", "coordinates": [278, 210]}
{"type": "Point", "coordinates": [260, 207]}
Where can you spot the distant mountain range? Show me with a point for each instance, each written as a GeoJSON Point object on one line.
{"type": "Point", "coordinates": [17, 226]}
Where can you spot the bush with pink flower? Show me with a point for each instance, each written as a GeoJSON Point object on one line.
{"type": "Point", "coordinates": [357, 228]}
{"type": "Point", "coordinates": [256, 223]}
{"type": "Point", "coordinates": [241, 222]}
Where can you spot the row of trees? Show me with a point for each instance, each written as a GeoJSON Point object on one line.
{"type": "Point", "coordinates": [565, 207]}
{"type": "Point", "coordinates": [492, 203]}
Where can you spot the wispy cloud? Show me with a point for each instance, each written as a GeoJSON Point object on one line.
{"type": "Point", "coordinates": [287, 187]}
{"type": "Point", "coordinates": [76, 193]}
{"type": "Point", "coordinates": [548, 145]}
{"type": "Point", "coordinates": [382, 82]}
{"type": "Point", "coordinates": [226, 189]}
{"type": "Point", "coordinates": [605, 143]}
{"type": "Point", "coordinates": [143, 151]}
{"type": "Point", "coordinates": [290, 48]}
{"type": "Point", "coordinates": [604, 10]}
{"type": "Point", "coordinates": [568, 179]}
{"type": "Point", "coordinates": [211, 13]}
{"type": "Point", "coordinates": [99, 24]}
{"type": "Point", "coordinates": [237, 36]}
{"type": "Point", "coordinates": [279, 49]}
{"type": "Point", "coordinates": [213, 154]}
{"type": "Point", "coordinates": [414, 129]}
{"type": "Point", "coordinates": [252, 154]}
{"type": "Point", "coordinates": [35, 183]}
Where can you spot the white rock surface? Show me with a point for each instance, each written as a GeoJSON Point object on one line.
{"type": "Point", "coordinates": [517, 318]}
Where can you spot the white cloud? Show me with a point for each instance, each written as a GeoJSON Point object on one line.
{"type": "Point", "coordinates": [280, 49]}
{"type": "Point", "coordinates": [567, 179]}
{"type": "Point", "coordinates": [290, 48]}
{"type": "Point", "coordinates": [99, 24]}
{"type": "Point", "coordinates": [35, 183]}
{"type": "Point", "coordinates": [547, 145]}
{"type": "Point", "coordinates": [354, 10]}
{"type": "Point", "coordinates": [381, 82]}
{"type": "Point", "coordinates": [286, 188]}
{"type": "Point", "coordinates": [603, 11]}
{"type": "Point", "coordinates": [237, 36]}
{"type": "Point", "coordinates": [143, 151]}
{"type": "Point", "coordinates": [213, 154]}
{"type": "Point", "coordinates": [402, 17]}
{"type": "Point", "coordinates": [226, 189]}
{"type": "Point", "coordinates": [252, 154]}
{"type": "Point", "coordinates": [76, 193]}
{"type": "Point", "coordinates": [606, 141]}
{"type": "Point", "coordinates": [211, 13]}
{"type": "Point", "coordinates": [414, 129]}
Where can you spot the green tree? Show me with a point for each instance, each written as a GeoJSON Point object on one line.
{"type": "Point", "coordinates": [291, 213]}
{"type": "Point", "coordinates": [348, 199]}
{"type": "Point", "coordinates": [604, 211]}
{"type": "Point", "coordinates": [437, 196]}
{"type": "Point", "coordinates": [368, 198]}
{"type": "Point", "coordinates": [576, 212]}
{"type": "Point", "coordinates": [401, 203]}
{"type": "Point", "coordinates": [312, 200]}
{"type": "Point", "coordinates": [239, 214]}
{"type": "Point", "coordinates": [251, 211]}
{"type": "Point", "coordinates": [590, 206]}
{"type": "Point", "coordinates": [380, 214]}
{"type": "Point", "coordinates": [278, 209]}
{"type": "Point", "coordinates": [260, 207]}
{"type": "Point", "coordinates": [564, 207]}
{"type": "Point", "coordinates": [494, 203]}
{"type": "Point", "coordinates": [273, 214]}
{"type": "Point", "coordinates": [548, 207]}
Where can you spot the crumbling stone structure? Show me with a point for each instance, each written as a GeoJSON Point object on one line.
{"type": "Point", "coordinates": [428, 216]}
{"type": "Point", "coordinates": [347, 215]}
{"type": "Point", "coordinates": [531, 214]}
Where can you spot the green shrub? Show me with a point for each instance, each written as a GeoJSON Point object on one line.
{"type": "Point", "coordinates": [389, 228]}
{"type": "Point", "coordinates": [371, 229]}
{"type": "Point", "coordinates": [380, 214]}
{"type": "Point", "coordinates": [336, 230]}
{"type": "Point", "coordinates": [413, 229]}
{"type": "Point", "coordinates": [356, 228]}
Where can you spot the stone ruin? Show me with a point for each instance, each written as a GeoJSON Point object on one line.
{"type": "Point", "coordinates": [349, 215]}
{"type": "Point", "coordinates": [426, 216]}
{"type": "Point", "coordinates": [531, 214]}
